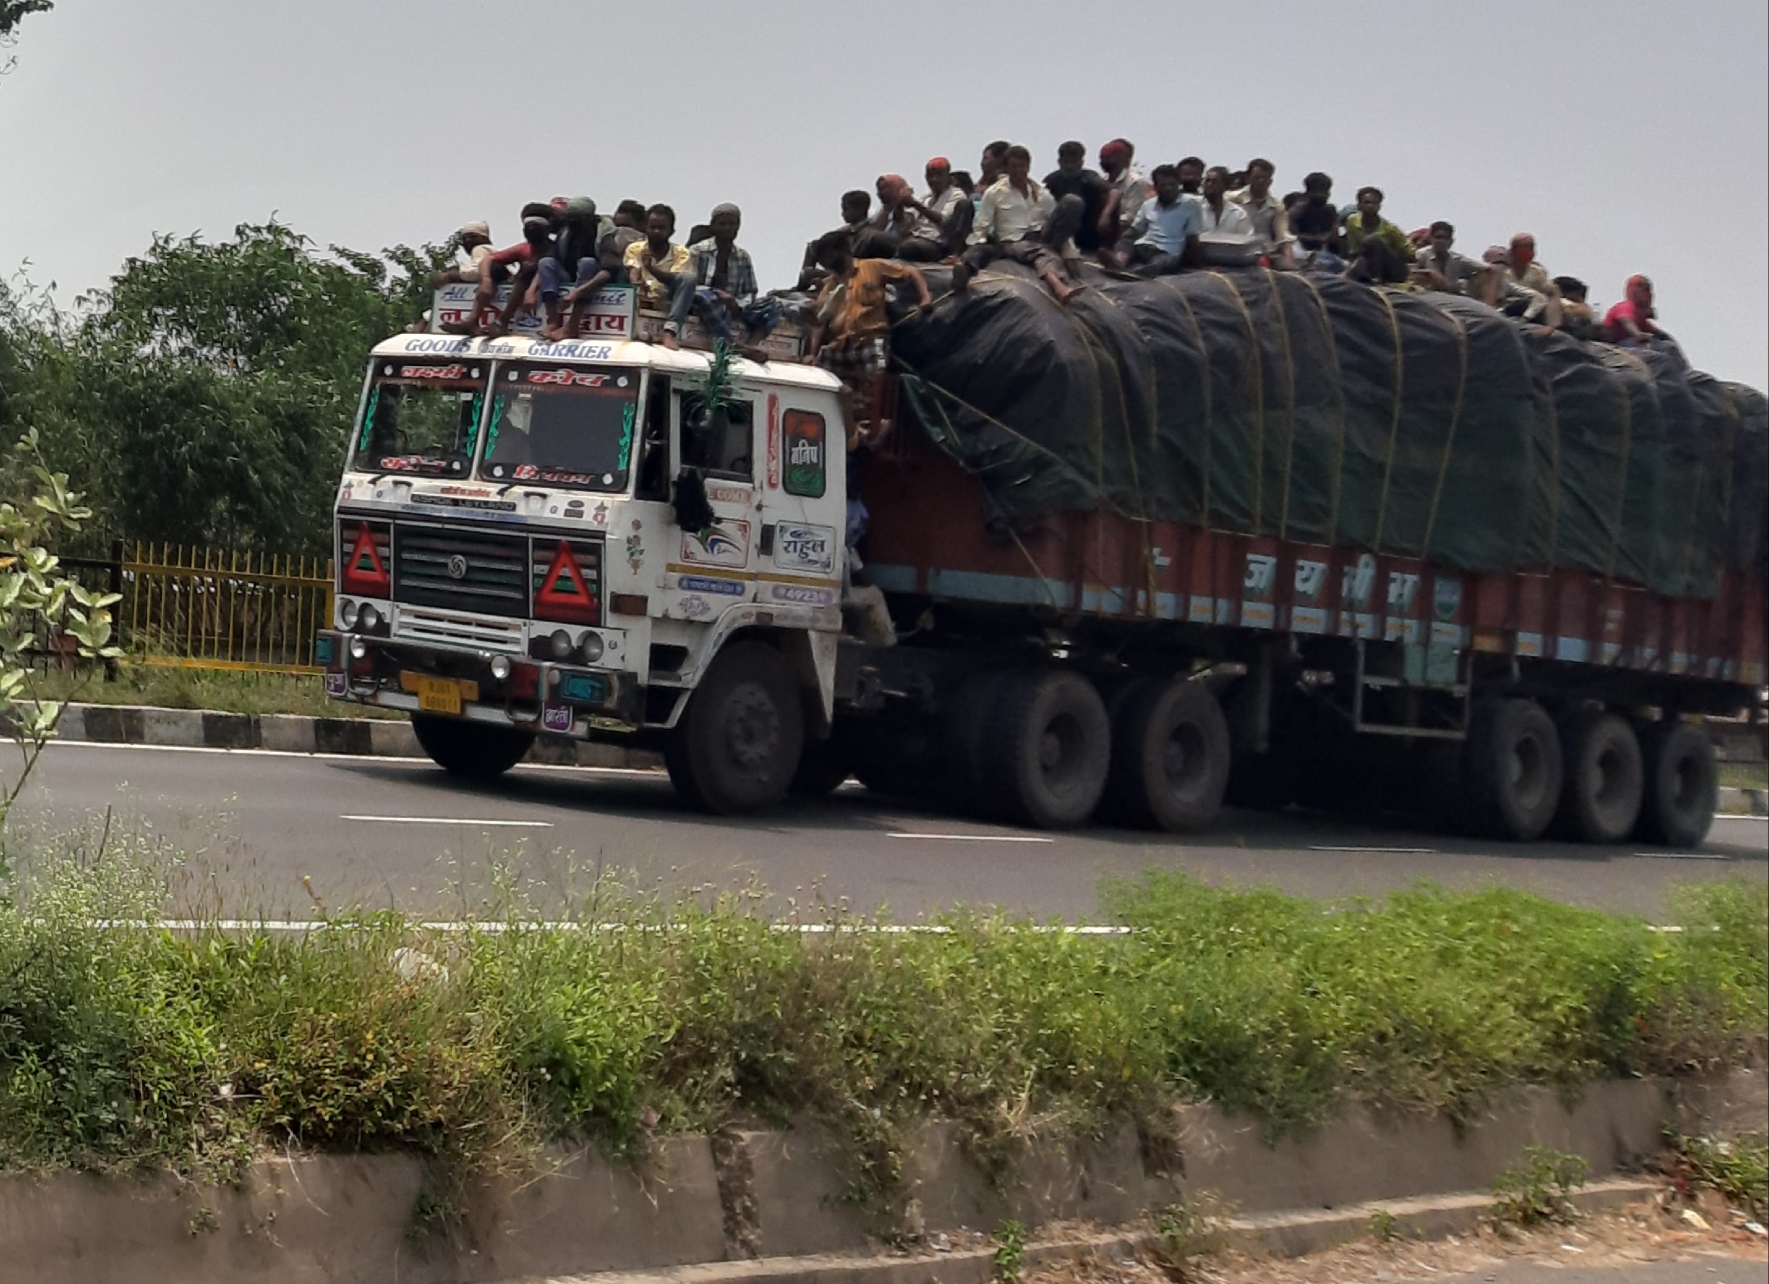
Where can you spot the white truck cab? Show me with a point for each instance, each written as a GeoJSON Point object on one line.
{"type": "Point", "coordinates": [512, 557]}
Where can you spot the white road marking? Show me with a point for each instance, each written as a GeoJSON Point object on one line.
{"type": "Point", "coordinates": [976, 838]}
{"type": "Point", "coordinates": [1728, 815]}
{"type": "Point", "coordinates": [1399, 851]}
{"type": "Point", "coordinates": [1684, 855]}
{"type": "Point", "coordinates": [452, 820]}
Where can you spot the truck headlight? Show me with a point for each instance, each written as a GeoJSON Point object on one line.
{"type": "Point", "coordinates": [592, 647]}
{"type": "Point", "coordinates": [559, 643]}
{"type": "Point", "coordinates": [347, 613]}
{"type": "Point", "coordinates": [369, 617]}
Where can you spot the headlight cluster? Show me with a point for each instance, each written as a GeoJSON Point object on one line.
{"type": "Point", "coordinates": [567, 645]}
{"type": "Point", "coordinates": [365, 617]}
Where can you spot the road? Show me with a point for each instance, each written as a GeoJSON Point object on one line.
{"type": "Point", "coordinates": [363, 831]}
{"type": "Point", "coordinates": [1708, 1271]}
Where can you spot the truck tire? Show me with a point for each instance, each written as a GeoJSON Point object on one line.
{"type": "Point", "coordinates": [1513, 771]}
{"type": "Point", "coordinates": [1048, 748]}
{"type": "Point", "coordinates": [1682, 785]}
{"type": "Point", "coordinates": [471, 750]}
{"type": "Point", "coordinates": [1603, 776]}
{"type": "Point", "coordinates": [737, 746]}
{"type": "Point", "coordinates": [1170, 757]}
{"type": "Point", "coordinates": [824, 766]}
{"type": "Point", "coordinates": [897, 753]}
{"type": "Point", "coordinates": [965, 740]}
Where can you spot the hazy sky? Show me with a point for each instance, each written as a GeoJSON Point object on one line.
{"type": "Point", "coordinates": [1629, 136]}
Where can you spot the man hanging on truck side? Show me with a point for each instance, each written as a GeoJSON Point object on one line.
{"type": "Point", "coordinates": [850, 314]}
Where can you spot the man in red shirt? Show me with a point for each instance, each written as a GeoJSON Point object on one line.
{"type": "Point", "coordinates": [1629, 322]}
{"type": "Point", "coordinates": [537, 239]}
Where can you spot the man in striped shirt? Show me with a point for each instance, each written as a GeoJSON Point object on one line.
{"type": "Point", "coordinates": [720, 287]}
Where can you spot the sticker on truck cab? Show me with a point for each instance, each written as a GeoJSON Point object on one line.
{"type": "Point", "coordinates": [799, 546]}
{"type": "Point", "coordinates": [724, 543]}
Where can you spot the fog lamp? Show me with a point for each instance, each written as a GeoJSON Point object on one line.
{"type": "Point", "coordinates": [347, 613]}
{"type": "Point", "coordinates": [592, 647]}
{"type": "Point", "coordinates": [500, 667]}
{"type": "Point", "coordinates": [358, 648]}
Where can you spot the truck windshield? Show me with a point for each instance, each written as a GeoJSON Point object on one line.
{"type": "Point", "coordinates": [565, 427]}
{"type": "Point", "coordinates": [420, 417]}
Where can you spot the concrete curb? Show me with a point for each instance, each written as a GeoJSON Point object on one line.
{"type": "Point", "coordinates": [1288, 1234]}
{"type": "Point", "coordinates": [756, 1206]}
{"type": "Point", "coordinates": [1743, 802]}
{"type": "Point", "coordinates": [295, 733]}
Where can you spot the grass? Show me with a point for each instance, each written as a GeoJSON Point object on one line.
{"type": "Point", "coordinates": [220, 689]}
{"type": "Point", "coordinates": [125, 1046]}
{"type": "Point", "coordinates": [1744, 775]}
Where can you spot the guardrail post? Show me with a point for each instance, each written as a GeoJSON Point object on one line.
{"type": "Point", "coordinates": [116, 586]}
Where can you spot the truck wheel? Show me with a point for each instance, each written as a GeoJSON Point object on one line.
{"type": "Point", "coordinates": [965, 740]}
{"type": "Point", "coordinates": [1600, 796]}
{"type": "Point", "coordinates": [473, 750]}
{"type": "Point", "coordinates": [1513, 771]}
{"type": "Point", "coordinates": [1048, 749]}
{"type": "Point", "coordinates": [824, 766]}
{"type": "Point", "coordinates": [737, 746]}
{"type": "Point", "coordinates": [1682, 785]}
{"type": "Point", "coordinates": [1170, 757]}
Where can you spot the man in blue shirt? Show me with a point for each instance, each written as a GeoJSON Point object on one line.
{"type": "Point", "coordinates": [1163, 237]}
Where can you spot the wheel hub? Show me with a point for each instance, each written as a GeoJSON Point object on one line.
{"type": "Point", "coordinates": [752, 727]}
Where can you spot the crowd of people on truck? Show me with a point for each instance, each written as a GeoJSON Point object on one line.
{"type": "Point", "coordinates": [1177, 218]}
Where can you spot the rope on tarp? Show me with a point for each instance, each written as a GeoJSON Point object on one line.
{"type": "Point", "coordinates": [1172, 285]}
{"type": "Point", "coordinates": [1258, 368]}
{"type": "Point", "coordinates": [1382, 293]}
{"type": "Point", "coordinates": [1277, 298]}
{"type": "Point", "coordinates": [1449, 443]}
{"type": "Point", "coordinates": [1337, 382]}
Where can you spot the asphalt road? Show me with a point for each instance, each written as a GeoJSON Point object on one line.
{"type": "Point", "coordinates": [1708, 1271]}
{"type": "Point", "coordinates": [364, 831]}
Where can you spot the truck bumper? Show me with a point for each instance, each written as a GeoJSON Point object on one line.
{"type": "Point", "coordinates": [529, 694]}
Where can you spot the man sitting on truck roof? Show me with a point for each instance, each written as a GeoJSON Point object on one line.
{"type": "Point", "coordinates": [1072, 177]}
{"type": "Point", "coordinates": [720, 286]}
{"type": "Point", "coordinates": [1126, 190]}
{"type": "Point", "coordinates": [655, 263]}
{"type": "Point", "coordinates": [946, 215]}
{"type": "Point", "coordinates": [1270, 219]}
{"type": "Point", "coordinates": [1191, 176]}
{"type": "Point", "coordinates": [1315, 222]}
{"type": "Point", "coordinates": [1630, 323]}
{"type": "Point", "coordinates": [537, 239]}
{"type": "Point", "coordinates": [576, 262]}
{"type": "Point", "coordinates": [1163, 236]}
{"type": "Point", "coordinates": [472, 249]}
{"type": "Point", "coordinates": [1368, 221]}
{"type": "Point", "coordinates": [1019, 220]}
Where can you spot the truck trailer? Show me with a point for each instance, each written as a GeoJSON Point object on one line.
{"type": "Point", "coordinates": [1240, 532]}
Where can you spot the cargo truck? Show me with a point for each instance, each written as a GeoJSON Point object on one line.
{"type": "Point", "coordinates": [587, 539]}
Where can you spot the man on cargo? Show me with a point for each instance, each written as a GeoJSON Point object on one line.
{"type": "Point", "coordinates": [850, 316]}
{"type": "Point", "coordinates": [1316, 223]}
{"type": "Point", "coordinates": [1019, 220]}
{"type": "Point", "coordinates": [1523, 268]}
{"type": "Point", "coordinates": [1163, 237]}
{"type": "Point", "coordinates": [991, 167]}
{"type": "Point", "coordinates": [656, 263]}
{"type": "Point", "coordinates": [1126, 190]}
{"type": "Point", "coordinates": [1271, 221]}
{"type": "Point", "coordinates": [1630, 323]}
{"type": "Point", "coordinates": [1577, 317]}
{"type": "Point", "coordinates": [945, 217]}
{"type": "Point", "coordinates": [720, 287]}
{"type": "Point", "coordinates": [1368, 221]}
{"type": "Point", "coordinates": [1219, 213]}
{"type": "Point", "coordinates": [1515, 299]}
{"type": "Point", "coordinates": [1071, 177]}
{"type": "Point", "coordinates": [1191, 176]}
{"type": "Point", "coordinates": [1438, 267]}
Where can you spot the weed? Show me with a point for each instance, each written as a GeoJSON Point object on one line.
{"type": "Point", "coordinates": [1541, 1190]}
{"type": "Point", "coordinates": [202, 1222]}
{"type": "Point", "coordinates": [432, 1212]}
{"type": "Point", "coordinates": [1010, 1251]}
{"type": "Point", "coordinates": [1384, 1226]}
{"type": "Point", "coordinates": [1186, 1232]}
{"type": "Point", "coordinates": [1737, 1168]}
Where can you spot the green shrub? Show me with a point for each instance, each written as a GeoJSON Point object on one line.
{"type": "Point", "coordinates": [1541, 1190]}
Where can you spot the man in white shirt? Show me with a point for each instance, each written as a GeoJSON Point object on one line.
{"type": "Point", "coordinates": [1018, 219]}
{"type": "Point", "coordinates": [946, 217]}
{"type": "Point", "coordinates": [474, 248]}
{"type": "Point", "coordinates": [1270, 219]}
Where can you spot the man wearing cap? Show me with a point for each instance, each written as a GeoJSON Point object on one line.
{"type": "Point", "coordinates": [472, 249]}
{"type": "Point", "coordinates": [720, 286]}
{"type": "Point", "coordinates": [537, 239]}
{"type": "Point", "coordinates": [1126, 189]}
{"type": "Point", "coordinates": [574, 262]}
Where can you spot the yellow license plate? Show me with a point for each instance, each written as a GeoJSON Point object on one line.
{"type": "Point", "coordinates": [439, 695]}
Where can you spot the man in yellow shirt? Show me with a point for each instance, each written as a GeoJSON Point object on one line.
{"type": "Point", "coordinates": [1368, 221]}
{"type": "Point", "coordinates": [654, 263]}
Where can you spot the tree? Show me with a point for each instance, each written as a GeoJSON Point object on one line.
{"type": "Point", "coordinates": [12, 12]}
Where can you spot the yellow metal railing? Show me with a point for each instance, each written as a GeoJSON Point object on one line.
{"type": "Point", "coordinates": [206, 608]}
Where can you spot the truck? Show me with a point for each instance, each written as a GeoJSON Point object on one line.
{"type": "Point", "coordinates": [604, 539]}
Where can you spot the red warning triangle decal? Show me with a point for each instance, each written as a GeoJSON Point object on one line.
{"type": "Point", "coordinates": [364, 571]}
{"type": "Point", "coordinates": [564, 593]}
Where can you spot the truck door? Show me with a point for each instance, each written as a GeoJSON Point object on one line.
{"type": "Point", "coordinates": [801, 500]}
{"type": "Point", "coordinates": [714, 568]}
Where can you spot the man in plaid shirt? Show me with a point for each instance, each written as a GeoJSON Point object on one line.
{"type": "Point", "coordinates": [719, 286]}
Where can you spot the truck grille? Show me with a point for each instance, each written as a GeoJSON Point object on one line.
{"type": "Point", "coordinates": [450, 628]}
{"type": "Point", "coordinates": [493, 570]}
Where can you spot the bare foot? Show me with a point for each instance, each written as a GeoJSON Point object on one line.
{"type": "Point", "coordinates": [553, 331]}
{"type": "Point", "coordinates": [670, 341]}
{"type": "Point", "coordinates": [455, 327]}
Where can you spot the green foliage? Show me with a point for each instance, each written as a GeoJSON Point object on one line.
{"type": "Point", "coordinates": [1737, 1167]}
{"type": "Point", "coordinates": [1384, 1226]}
{"type": "Point", "coordinates": [1541, 1190]}
{"type": "Point", "coordinates": [123, 1045]}
{"type": "Point", "coordinates": [206, 396]}
{"type": "Point", "coordinates": [1010, 1251]}
{"type": "Point", "coordinates": [1184, 1233]}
